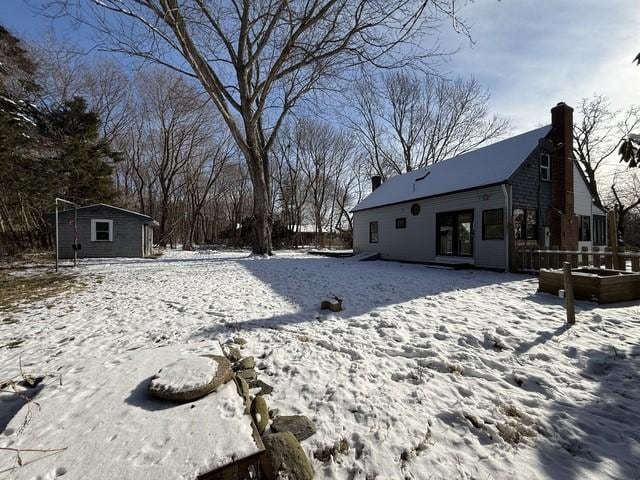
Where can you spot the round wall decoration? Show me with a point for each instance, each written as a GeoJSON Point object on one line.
{"type": "Point", "coordinates": [415, 209]}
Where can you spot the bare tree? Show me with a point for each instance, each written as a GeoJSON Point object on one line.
{"type": "Point", "coordinates": [323, 151]}
{"type": "Point", "coordinates": [178, 129]}
{"type": "Point", "coordinates": [407, 122]}
{"type": "Point", "coordinates": [257, 59]}
{"type": "Point", "coordinates": [625, 198]}
{"type": "Point", "coordinates": [598, 134]}
{"type": "Point", "coordinates": [200, 177]}
{"type": "Point", "coordinates": [291, 190]}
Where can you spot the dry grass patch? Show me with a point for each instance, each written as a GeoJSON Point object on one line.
{"type": "Point", "coordinates": [18, 290]}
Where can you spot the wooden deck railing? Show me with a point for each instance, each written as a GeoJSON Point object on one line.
{"type": "Point", "coordinates": [532, 261]}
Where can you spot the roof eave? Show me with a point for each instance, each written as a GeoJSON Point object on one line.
{"type": "Point", "coordinates": [470, 189]}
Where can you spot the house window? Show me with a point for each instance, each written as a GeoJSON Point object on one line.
{"type": "Point", "coordinates": [545, 167]}
{"type": "Point", "coordinates": [373, 232]}
{"type": "Point", "coordinates": [101, 230]}
{"type": "Point", "coordinates": [599, 230]}
{"type": "Point", "coordinates": [585, 228]}
{"type": "Point", "coordinates": [525, 224]}
{"type": "Point", "coordinates": [401, 223]}
{"type": "Point", "coordinates": [492, 224]}
{"type": "Point", "coordinates": [454, 233]}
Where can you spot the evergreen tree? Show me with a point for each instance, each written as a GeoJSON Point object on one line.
{"type": "Point", "coordinates": [46, 151]}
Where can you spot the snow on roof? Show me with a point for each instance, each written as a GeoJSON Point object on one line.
{"type": "Point", "coordinates": [485, 166]}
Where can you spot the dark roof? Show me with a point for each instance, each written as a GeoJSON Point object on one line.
{"type": "Point", "coordinates": [142, 216]}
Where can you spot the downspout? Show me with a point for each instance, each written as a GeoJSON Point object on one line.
{"type": "Point", "coordinates": [507, 229]}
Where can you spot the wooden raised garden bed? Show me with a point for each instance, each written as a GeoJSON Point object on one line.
{"type": "Point", "coordinates": [596, 284]}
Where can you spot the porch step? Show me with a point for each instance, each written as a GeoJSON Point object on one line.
{"type": "Point", "coordinates": [332, 253]}
{"type": "Point", "coordinates": [366, 256]}
{"type": "Point", "coordinates": [450, 265]}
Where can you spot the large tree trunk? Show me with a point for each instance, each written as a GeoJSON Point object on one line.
{"type": "Point", "coordinates": [259, 171]}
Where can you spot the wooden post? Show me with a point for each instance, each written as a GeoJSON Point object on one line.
{"type": "Point", "coordinates": [612, 226]}
{"type": "Point", "coordinates": [575, 257]}
{"type": "Point", "coordinates": [555, 258]}
{"type": "Point", "coordinates": [608, 258]}
{"type": "Point", "coordinates": [568, 294]}
{"type": "Point", "coordinates": [585, 257]}
{"type": "Point", "coordinates": [544, 260]}
{"type": "Point", "coordinates": [596, 257]}
{"type": "Point", "coordinates": [635, 263]}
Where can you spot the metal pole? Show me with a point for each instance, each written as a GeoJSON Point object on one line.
{"type": "Point", "coordinates": [75, 236]}
{"type": "Point", "coordinates": [56, 234]}
{"type": "Point", "coordinates": [57, 231]}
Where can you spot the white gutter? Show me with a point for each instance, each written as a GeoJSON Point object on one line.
{"type": "Point", "coordinates": [507, 230]}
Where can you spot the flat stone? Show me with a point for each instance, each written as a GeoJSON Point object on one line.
{"type": "Point", "coordinates": [233, 354]}
{"type": "Point", "coordinates": [265, 388]}
{"type": "Point", "coordinates": [245, 364]}
{"type": "Point", "coordinates": [286, 457]}
{"type": "Point", "coordinates": [190, 378]}
{"type": "Point", "coordinates": [260, 413]}
{"type": "Point", "coordinates": [249, 375]}
{"type": "Point", "coordinates": [240, 341]}
{"type": "Point", "coordinates": [243, 391]}
{"type": "Point", "coordinates": [298, 425]}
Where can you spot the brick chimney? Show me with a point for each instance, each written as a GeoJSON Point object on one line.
{"type": "Point", "coordinates": [563, 221]}
{"type": "Point", "coordinates": [376, 181]}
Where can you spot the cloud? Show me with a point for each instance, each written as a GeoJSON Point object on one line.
{"type": "Point", "coordinates": [532, 55]}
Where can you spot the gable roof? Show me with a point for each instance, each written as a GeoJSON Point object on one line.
{"type": "Point", "coordinates": [104, 205]}
{"type": "Point", "coordinates": [485, 166]}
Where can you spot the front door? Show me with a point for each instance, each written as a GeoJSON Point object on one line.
{"type": "Point", "coordinates": [454, 233]}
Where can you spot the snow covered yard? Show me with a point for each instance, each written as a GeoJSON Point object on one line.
{"type": "Point", "coordinates": [426, 373]}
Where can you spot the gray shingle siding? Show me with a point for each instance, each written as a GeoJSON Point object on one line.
{"type": "Point", "coordinates": [127, 233]}
{"type": "Point", "coordinates": [530, 191]}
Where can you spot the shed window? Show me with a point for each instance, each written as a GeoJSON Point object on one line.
{"type": "Point", "coordinates": [492, 224]}
{"type": "Point", "coordinates": [101, 230]}
{"type": "Point", "coordinates": [525, 224]}
{"type": "Point", "coordinates": [373, 232]}
{"type": "Point", "coordinates": [585, 228]}
{"type": "Point", "coordinates": [545, 167]}
{"type": "Point", "coordinates": [401, 223]}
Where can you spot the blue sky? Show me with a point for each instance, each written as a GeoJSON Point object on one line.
{"type": "Point", "coordinates": [530, 54]}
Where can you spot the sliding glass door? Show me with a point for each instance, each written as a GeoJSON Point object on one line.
{"type": "Point", "coordinates": [454, 233]}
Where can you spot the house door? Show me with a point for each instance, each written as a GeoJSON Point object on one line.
{"type": "Point", "coordinates": [454, 233]}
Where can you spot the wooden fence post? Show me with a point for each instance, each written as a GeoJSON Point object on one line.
{"type": "Point", "coordinates": [596, 257]}
{"type": "Point", "coordinates": [612, 226]}
{"type": "Point", "coordinates": [585, 257]}
{"type": "Point", "coordinates": [608, 259]}
{"type": "Point", "coordinates": [569, 301]}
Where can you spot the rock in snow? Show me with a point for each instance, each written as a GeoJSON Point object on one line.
{"type": "Point", "coordinates": [190, 378]}
{"type": "Point", "coordinates": [260, 413]}
{"type": "Point", "coordinates": [233, 354]}
{"type": "Point", "coordinates": [245, 364]}
{"type": "Point", "coordinates": [287, 458]}
{"type": "Point", "coordinates": [298, 425]}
